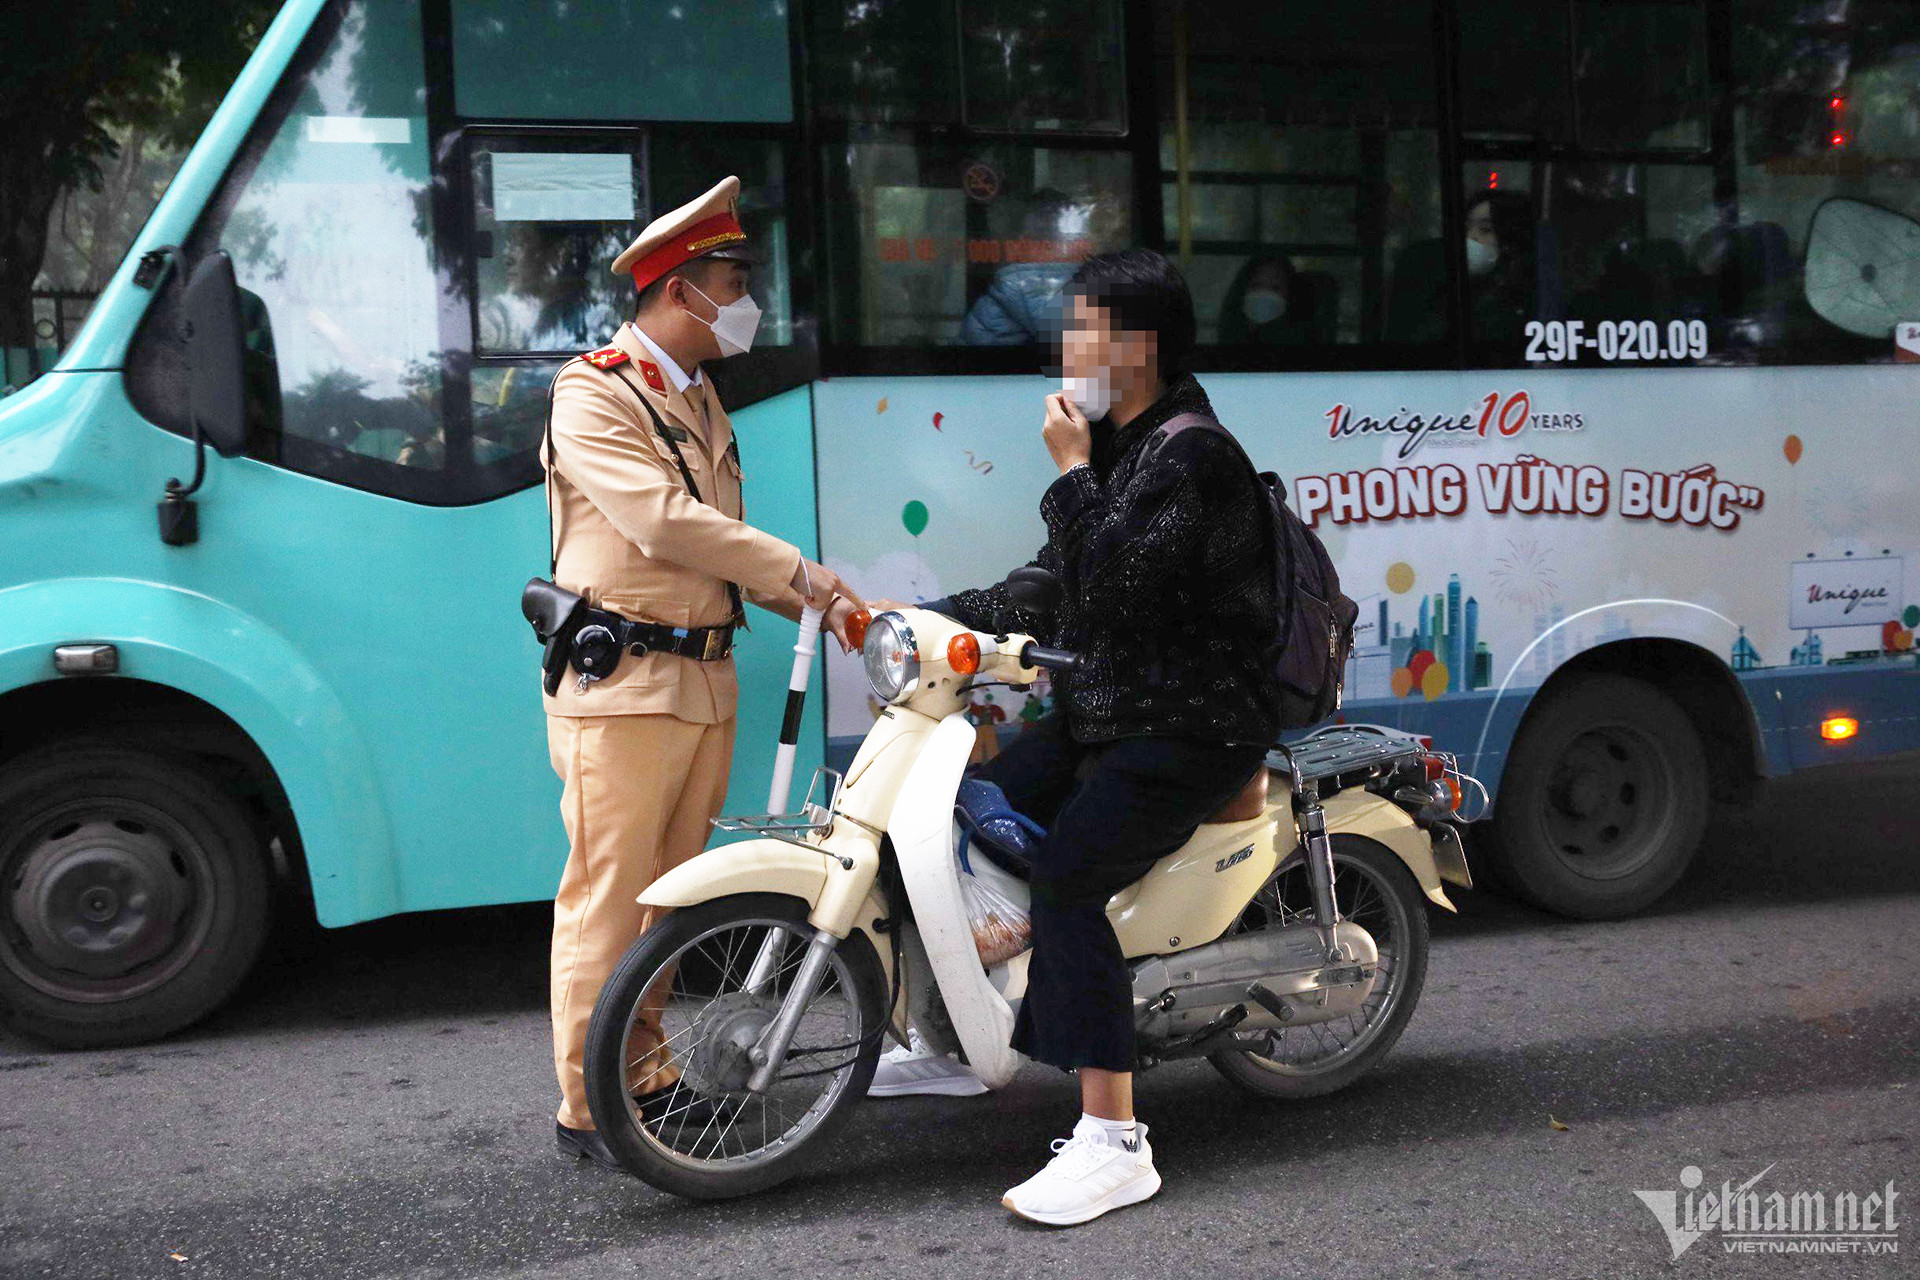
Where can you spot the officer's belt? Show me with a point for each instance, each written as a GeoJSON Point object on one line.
{"type": "Point", "coordinates": [706, 644]}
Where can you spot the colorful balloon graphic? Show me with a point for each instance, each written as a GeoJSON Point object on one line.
{"type": "Point", "coordinates": [914, 516]}
{"type": "Point", "coordinates": [1400, 577]}
{"type": "Point", "coordinates": [1793, 450]}
{"type": "Point", "coordinates": [1418, 664]}
{"type": "Point", "coordinates": [1895, 638]}
{"type": "Point", "coordinates": [1402, 680]}
{"type": "Point", "coordinates": [1433, 682]}
{"type": "Point", "coordinates": [1912, 616]}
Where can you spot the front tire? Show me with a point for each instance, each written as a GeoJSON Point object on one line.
{"type": "Point", "coordinates": [696, 962]}
{"type": "Point", "coordinates": [1373, 888]}
{"type": "Point", "coordinates": [1604, 802]}
{"type": "Point", "coordinates": [134, 895]}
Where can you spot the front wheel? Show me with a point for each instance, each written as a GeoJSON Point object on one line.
{"type": "Point", "coordinates": [134, 894]}
{"type": "Point", "coordinates": [684, 1001]}
{"type": "Point", "coordinates": [1374, 889]}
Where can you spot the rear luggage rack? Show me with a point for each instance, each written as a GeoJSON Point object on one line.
{"type": "Point", "coordinates": [1340, 749]}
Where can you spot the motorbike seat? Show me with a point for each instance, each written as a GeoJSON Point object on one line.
{"type": "Point", "coordinates": [990, 827]}
{"type": "Point", "coordinates": [1249, 802]}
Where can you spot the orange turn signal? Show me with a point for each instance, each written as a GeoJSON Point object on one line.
{"type": "Point", "coordinates": [963, 654]}
{"type": "Point", "coordinates": [857, 626]}
{"type": "Point", "coordinates": [1453, 793]}
{"type": "Point", "coordinates": [1839, 728]}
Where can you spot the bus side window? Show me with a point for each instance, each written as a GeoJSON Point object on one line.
{"type": "Point", "coordinates": [1826, 149]}
{"type": "Point", "coordinates": [325, 213]}
{"type": "Point", "coordinates": [1304, 197]}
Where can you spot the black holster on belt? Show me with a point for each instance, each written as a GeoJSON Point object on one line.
{"type": "Point", "coordinates": [556, 615]}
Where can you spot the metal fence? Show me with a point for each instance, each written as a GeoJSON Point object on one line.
{"type": "Point", "coordinates": [57, 316]}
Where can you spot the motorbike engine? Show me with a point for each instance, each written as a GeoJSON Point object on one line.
{"type": "Point", "coordinates": [1274, 977]}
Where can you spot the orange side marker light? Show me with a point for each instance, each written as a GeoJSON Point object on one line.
{"type": "Point", "coordinates": [963, 653]}
{"type": "Point", "coordinates": [857, 622]}
{"type": "Point", "coordinates": [1839, 728]}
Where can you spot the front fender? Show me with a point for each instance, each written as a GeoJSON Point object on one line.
{"type": "Point", "coordinates": [252, 674]}
{"type": "Point", "coordinates": [746, 866]}
{"type": "Point", "coordinates": [1362, 813]}
{"type": "Point", "coordinates": [766, 866]}
{"type": "Point", "coordinates": [922, 828]}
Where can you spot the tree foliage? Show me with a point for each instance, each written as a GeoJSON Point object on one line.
{"type": "Point", "coordinates": [80, 76]}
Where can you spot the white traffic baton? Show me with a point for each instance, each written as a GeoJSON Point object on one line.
{"type": "Point", "coordinates": [804, 650]}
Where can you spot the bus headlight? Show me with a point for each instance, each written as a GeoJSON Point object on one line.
{"type": "Point", "coordinates": [891, 660]}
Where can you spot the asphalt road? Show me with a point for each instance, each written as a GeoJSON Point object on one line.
{"type": "Point", "coordinates": [378, 1103]}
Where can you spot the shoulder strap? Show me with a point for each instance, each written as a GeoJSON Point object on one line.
{"type": "Point", "coordinates": [660, 429]}
{"type": "Point", "coordinates": [1199, 421]}
{"type": "Point", "coordinates": [680, 460]}
{"type": "Point", "coordinates": [1263, 480]}
{"type": "Point", "coordinates": [553, 541]}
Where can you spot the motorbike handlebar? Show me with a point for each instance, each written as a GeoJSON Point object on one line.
{"type": "Point", "coordinates": [1053, 659]}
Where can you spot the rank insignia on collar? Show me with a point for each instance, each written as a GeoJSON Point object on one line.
{"type": "Point", "coordinates": [606, 357]}
{"type": "Point", "coordinates": [651, 373]}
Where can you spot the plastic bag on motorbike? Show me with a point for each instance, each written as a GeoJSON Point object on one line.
{"type": "Point", "coordinates": [996, 909]}
{"type": "Point", "coordinates": [995, 898]}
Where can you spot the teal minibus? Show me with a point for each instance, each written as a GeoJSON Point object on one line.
{"type": "Point", "coordinates": [1586, 335]}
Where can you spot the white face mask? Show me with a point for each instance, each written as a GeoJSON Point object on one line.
{"type": "Point", "coordinates": [1263, 306]}
{"type": "Point", "coordinates": [1094, 395]}
{"type": "Point", "coordinates": [736, 324]}
{"type": "Point", "coordinates": [1481, 256]}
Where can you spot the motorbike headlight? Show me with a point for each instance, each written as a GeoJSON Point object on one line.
{"type": "Point", "coordinates": [892, 661]}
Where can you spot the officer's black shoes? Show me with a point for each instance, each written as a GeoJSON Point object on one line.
{"type": "Point", "coordinates": [584, 1144]}
{"type": "Point", "coordinates": [681, 1109]}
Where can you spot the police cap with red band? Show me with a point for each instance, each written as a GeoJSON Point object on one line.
{"type": "Point", "coordinates": [708, 227]}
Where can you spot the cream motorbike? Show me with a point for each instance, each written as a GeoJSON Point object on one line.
{"type": "Point", "coordinates": [1286, 941]}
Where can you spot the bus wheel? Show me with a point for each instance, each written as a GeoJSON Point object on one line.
{"type": "Point", "coordinates": [134, 895]}
{"type": "Point", "coordinates": [1604, 799]}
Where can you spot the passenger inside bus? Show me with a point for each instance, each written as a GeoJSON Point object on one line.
{"type": "Point", "coordinates": [1502, 276]}
{"type": "Point", "coordinates": [1271, 303]}
{"type": "Point", "coordinates": [1022, 301]}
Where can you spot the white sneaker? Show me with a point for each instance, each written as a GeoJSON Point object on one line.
{"type": "Point", "coordinates": [1085, 1178]}
{"type": "Point", "coordinates": [914, 1068]}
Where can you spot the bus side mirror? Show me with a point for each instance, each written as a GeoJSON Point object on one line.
{"type": "Point", "coordinates": [216, 386]}
{"type": "Point", "coordinates": [216, 358]}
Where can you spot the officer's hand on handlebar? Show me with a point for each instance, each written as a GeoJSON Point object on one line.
{"type": "Point", "coordinates": [818, 585]}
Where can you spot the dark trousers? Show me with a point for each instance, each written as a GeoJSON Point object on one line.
{"type": "Point", "coordinates": [1111, 810]}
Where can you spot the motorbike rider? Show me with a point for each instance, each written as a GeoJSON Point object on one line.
{"type": "Point", "coordinates": [1161, 544]}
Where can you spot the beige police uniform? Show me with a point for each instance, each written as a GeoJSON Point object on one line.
{"type": "Point", "coordinates": [643, 754]}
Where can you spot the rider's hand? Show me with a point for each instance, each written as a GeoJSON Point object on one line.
{"type": "Point", "coordinates": [818, 585]}
{"type": "Point", "coordinates": [1069, 438]}
{"type": "Point", "coordinates": [888, 606]}
{"type": "Point", "coordinates": [835, 621]}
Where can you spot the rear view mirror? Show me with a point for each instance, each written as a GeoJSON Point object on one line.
{"type": "Point", "coordinates": [1035, 589]}
{"type": "Point", "coordinates": [216, 372]}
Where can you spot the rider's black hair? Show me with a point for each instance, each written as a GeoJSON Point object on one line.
{"type": "Point", "coordinates": [1141, 291]}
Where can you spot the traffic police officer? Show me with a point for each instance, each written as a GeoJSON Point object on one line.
{"type": "Point", "coordinates": [644, 480]}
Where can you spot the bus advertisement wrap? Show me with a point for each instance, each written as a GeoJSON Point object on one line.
{"type": "Point", "coordinates": [1492, 525]}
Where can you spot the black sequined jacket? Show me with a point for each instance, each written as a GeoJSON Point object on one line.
{"type": "Point", "coordinates": [1164, 553]}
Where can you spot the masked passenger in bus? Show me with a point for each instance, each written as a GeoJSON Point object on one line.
{"type": "Point", "coordinates": [1502, 274]}
{"type": "Point", "coordinates": [1270, 303]}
